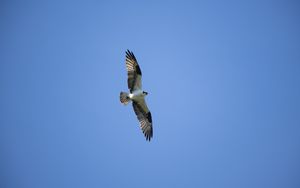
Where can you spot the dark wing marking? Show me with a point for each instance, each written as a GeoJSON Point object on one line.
{"type": "Point", "coordinates": [133, 71]}
{"type": "Point", "coordinates": [144, 116]}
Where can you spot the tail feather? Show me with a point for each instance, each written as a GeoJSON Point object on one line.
{"type": "Point", "coordinates": [124, 98]}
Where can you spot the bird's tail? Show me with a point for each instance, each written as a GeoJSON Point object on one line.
{"type": "Point", "coordinates": [124, 98]}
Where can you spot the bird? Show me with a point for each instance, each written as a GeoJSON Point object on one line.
{"type": "Point", "coordinates": [136, 95]}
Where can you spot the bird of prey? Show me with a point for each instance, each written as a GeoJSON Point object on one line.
{"type": "Point", "coordinates": [137, 95]}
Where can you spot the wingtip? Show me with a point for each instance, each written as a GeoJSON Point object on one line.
{"type": "Point", "coordinates": [128, 52]}
{"type": "Point", "coordinates": [130, 55]}
{"type": "Point", "coordinates": [149, 136]}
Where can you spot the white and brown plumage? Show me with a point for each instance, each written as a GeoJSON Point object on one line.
{"type": "Point", "coordinates": [137, 95]}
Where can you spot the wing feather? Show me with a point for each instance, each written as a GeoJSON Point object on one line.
{"type": "Point", "coordinates": [133, 72]}
{"type": "Point", "coordinates": [144, 116]}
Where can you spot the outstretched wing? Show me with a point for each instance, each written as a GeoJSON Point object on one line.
{"type": "Point", "coordinates": [144, 116]}
{"type": "Point", "coordinates": [133, 71]}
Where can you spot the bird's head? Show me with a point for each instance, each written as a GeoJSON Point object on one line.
{"type": "Point", "coordinates": [145, 93]}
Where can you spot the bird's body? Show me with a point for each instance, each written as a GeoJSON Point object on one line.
{"type": "Point", "coordinates": [137, 95]}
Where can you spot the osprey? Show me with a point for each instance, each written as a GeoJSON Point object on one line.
{"type": "Point", "coordinates": [137, 95]}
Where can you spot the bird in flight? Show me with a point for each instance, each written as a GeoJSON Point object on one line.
{"type": "Point", "coordinates": [137, 95]}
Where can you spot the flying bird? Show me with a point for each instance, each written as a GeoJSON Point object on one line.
{"type": "Point", "coordinates": [137, 95]}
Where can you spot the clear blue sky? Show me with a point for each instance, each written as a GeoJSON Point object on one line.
{"type": "Point", "coordinates": [223, 81]}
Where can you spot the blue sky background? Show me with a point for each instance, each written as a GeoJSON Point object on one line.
{"type": "Point", "coordinates": [223, 81]}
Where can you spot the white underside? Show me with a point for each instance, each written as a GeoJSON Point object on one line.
{"type": "Point", "coordinates": [137, 95]}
